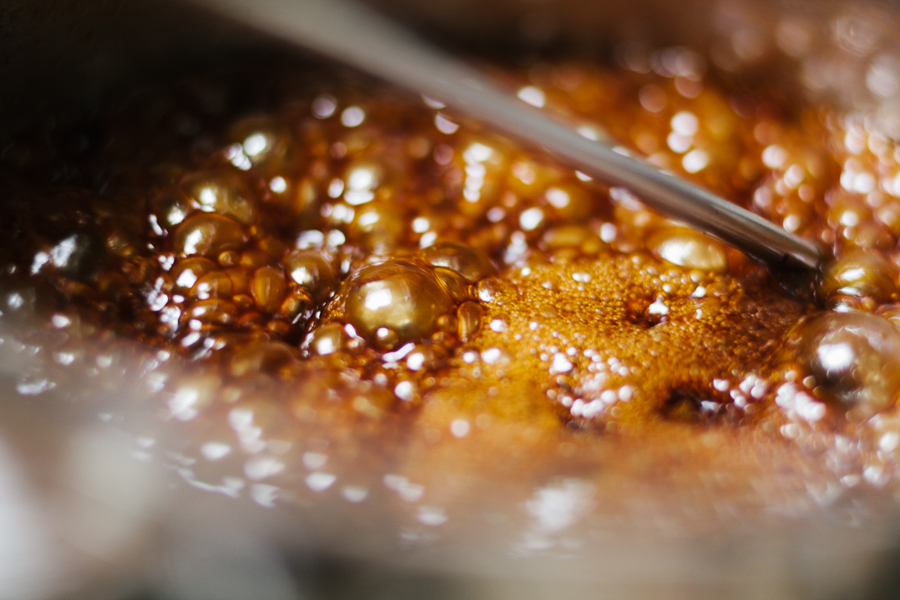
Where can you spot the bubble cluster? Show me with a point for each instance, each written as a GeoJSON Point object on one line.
{"type": "Point", "coordinates": [391, 259]}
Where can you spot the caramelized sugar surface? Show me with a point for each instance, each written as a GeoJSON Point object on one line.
{"type": "Point", "coordinates": [665, 345]}
{"type": "Point", "coordinates": [353, 292]}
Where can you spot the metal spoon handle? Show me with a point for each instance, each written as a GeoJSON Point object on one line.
{"type": "Point", "coordinates": [356, 35]}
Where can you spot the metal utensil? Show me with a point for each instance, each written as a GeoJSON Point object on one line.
{"type": "Point", "coordinates": [359, 37]}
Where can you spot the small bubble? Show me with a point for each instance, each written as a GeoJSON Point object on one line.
{"type": "Point", "coordinates": [353, 116]}
{"type": "Point", "coordinates": [432, 516]}
{"type": "Point", "coordinates": [355, 493]}
{"type": "Point", "coordinates": [324, 106]}
{"type": "Point", "coordinates": [405, 391]}
{"type": "Point", "coordinates": [459, 428]}
{"type": "Point", "coordinates": [319, 482]}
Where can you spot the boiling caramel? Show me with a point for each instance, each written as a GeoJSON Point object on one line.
{"type": "Point", "coordinates": [376, 257]}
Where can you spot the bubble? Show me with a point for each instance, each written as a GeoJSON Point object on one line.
{"type": "Point", "coordinates": [862, 274]}
{"type": "Point", "coordinates": [214, 311]}
{"type": "Point", "coordinates": [297, 307]}
{"type": "Point", "coordinates": [531, 218]}
{"type": "Point", "coordinates": [572, 237]}
{"type": "Point", "coordinates": [855, 358]}
{"type": "Point", "coordinates": [685, 123]}
{"type": "Point", "coordinates": [186, 272]}
{"type": "Point", "coordinates": [77, 255]}
{"type": "Point", "coordinates": [470, 316]}
{"type": "Point", "coordinates": [223, 193]}
{"type": "Point", "coordinates": [397, 296]}
{"type": "Point", "coordinates": [253, 259]}
{"type": "Point", "coordinates": [324, 106]}
{"type": "Point", "coordinates": [570, 202]}
{"type": "Point", "coordinates": [425, 357]}
{"type": "Point", "coordinates": [260, 142]}
{"type": "Point", "coordinates": [405, 391]}
{"type": "Point", "coordinates": [326, 339]}
{"type": "Point", "coordinates": [690, 249]}
{"type": "Point", "coordinates": [454, 283]}
{"type": "Point", "coordinates": [170, 208]}
{"type": "Point", "coordinates": [313, 270]}
{"type": "Point", "coordinates": [468, 262]}
{"type": "Point", "coordinates": [652, 98]}
{"type": "Point", "coordinates": [208, 235]}
{"type": "Point", "coordinates": [353, 116]}
{"type": "Point", "coordinates": [377, 226]}
{"type": "Point", "coordinates": [213, 285]}
{"type": "Point", "coordinates": [268, 288]}
{"type": "Point", "coordinates": [240, 281]}
{"type": "Point", "coordinates": [362, 178]}
{"type": "Point", "coordinates": [264, 357]}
